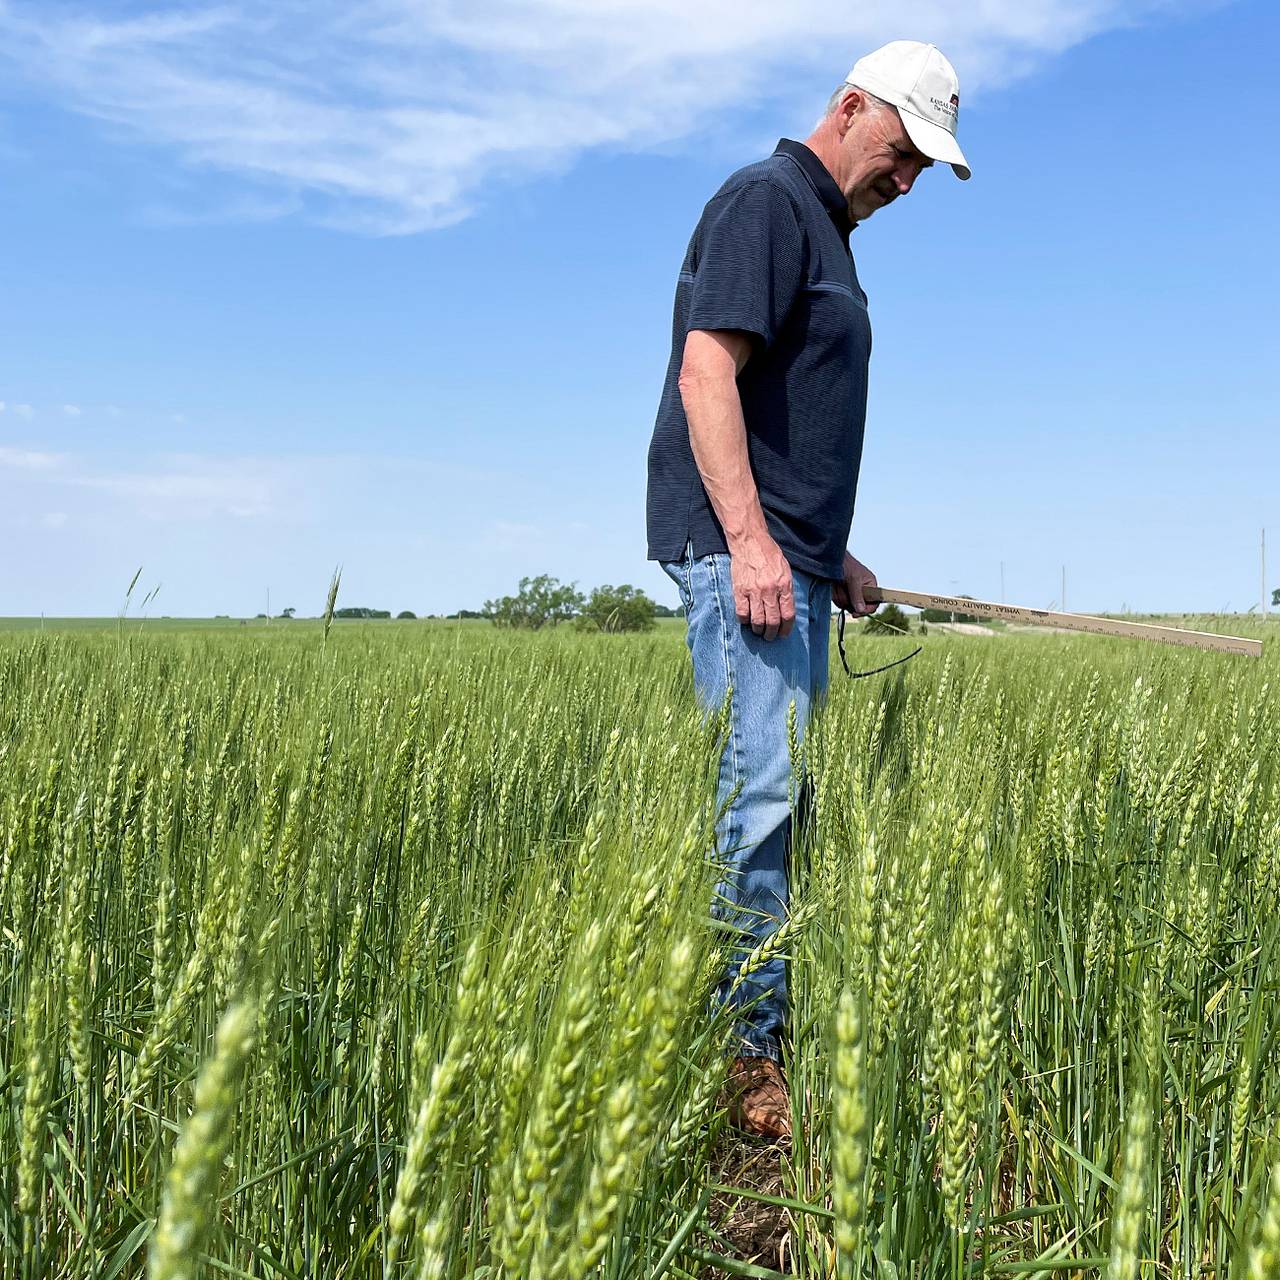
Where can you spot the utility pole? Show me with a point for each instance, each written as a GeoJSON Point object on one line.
{"type": "Point", "coordinates": [1264, 575]}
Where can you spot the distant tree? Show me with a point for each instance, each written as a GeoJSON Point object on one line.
{"type": "Point", "coordinates": [464, 614]}
{"type": "Point", "coordinates": [949, 615]}
{"type": "Point", "coordinates": [1275, 598]}
{"type": "Point", "coordinates": [614, 609]}
{"type": "Point", "coordinates": [540, 602]}
{"type": "Point", "coordinates": [289, 612]}
{"type": "Point", "coordinates": [665, 611]}
{"type": "Point", "coordinates": [407, 615]}
{"type": "Point", "coordinates": [890, 621]}
{"type": "Point", "coordinates": [357, 611]}
{"type": "Point", "coordinates": [259, 615]}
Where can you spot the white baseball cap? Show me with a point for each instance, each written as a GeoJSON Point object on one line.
{"type": "Point", "coordinates": [922, 84]}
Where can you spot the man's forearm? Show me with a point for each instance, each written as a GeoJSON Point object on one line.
{"type": "Point", "coordinates": [763, 588]}
{"type": "Point", "coordinates": [718, 435]}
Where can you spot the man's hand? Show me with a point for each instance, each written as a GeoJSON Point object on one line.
{"type": "Point", "coordinates": [849, 593]}
{"type": "Point", "coordinates": [763, 589]}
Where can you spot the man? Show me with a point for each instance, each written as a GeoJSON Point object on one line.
{"type": "Point", "coordinates": [753, 468]}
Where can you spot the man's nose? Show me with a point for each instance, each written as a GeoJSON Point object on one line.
{"type": "Point", "coordinates": [905, 176]}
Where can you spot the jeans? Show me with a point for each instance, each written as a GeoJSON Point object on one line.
{"type": "Point", "coordinates": [753, 831]}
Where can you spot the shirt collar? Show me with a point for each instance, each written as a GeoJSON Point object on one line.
{"type": "Point", "coordinates": [821, 181]}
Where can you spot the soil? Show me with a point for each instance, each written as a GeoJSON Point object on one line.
{"type": "Point", "coordinates": [751, 1231]}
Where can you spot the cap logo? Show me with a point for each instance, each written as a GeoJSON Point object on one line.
{"type": "Point", "coordinates": [945, 108]}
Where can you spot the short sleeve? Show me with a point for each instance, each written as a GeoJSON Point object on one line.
{"type": "Point", "coordinates": [749, 262]}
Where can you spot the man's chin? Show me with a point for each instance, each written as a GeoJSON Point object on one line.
{"type": "Point", "coordinates": [868, 205]}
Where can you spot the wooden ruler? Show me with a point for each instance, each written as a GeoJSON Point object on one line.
{"type": "Point", "coordinates": [1067, 621]}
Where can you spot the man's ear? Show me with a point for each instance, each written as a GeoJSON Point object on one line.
{"type": "Point", "coordinates": [851, 105]}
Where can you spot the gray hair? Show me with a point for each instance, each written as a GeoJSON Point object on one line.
{"type": "Point", "coordinates": [838, 96]}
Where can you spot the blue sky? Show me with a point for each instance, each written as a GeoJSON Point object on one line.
{"type": "Point", "coordinates": [293, 285]}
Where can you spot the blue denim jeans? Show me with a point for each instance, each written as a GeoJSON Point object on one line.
{"type": "Point", "coordinates": [753, 832]}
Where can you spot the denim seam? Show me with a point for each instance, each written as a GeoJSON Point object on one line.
{"type": "Point", "coordinates": [725, 651]}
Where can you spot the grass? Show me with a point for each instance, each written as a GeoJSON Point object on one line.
{"type": "Point", "coordinates": [137, 625]}
{"type": "Point", "coordinates": [393, 958]}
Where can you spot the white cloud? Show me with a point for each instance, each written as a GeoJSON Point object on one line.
{"type": "Point", "coordinates": [24, 411]}
{"type": "Point", "coordinates": [1, 406]}
{"type": "Point", "coordinates": [53, 519]}
{"type": "Point", "coordinates": [71, 410]}
{"type": "Point", "coordinates": [512, 535]}
{"type": "Point", "coordinates": [250, 207]}
{"type": "Point", "coordinates": [171, 486]}
{"type": "Point", "coordinates": [30, 459]}
{"type": "Point", "coordinates": [178, 419]}
{"type": "Point", "coordinates": [395, 115]}
{"type": "Point", "coordinates": [198, 489]}
{"type": "Point", "coordinates": [194, 486]}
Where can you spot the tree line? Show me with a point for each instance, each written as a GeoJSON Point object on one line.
{"type": "Point", "coordinates": [541, 602]}
{"type": "Point", "coordinates": [545, 601]}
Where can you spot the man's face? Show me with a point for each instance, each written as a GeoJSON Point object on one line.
{"type": "Point", "coordinates": [881, 161]}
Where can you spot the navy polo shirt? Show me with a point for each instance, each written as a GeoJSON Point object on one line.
{"type": "Point", "coordinates": [770, 257]}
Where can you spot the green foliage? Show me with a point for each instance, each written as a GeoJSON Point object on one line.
{"type": "Point", "coordinates": [407, 615]}
{"type": "Point", "coordinates": [617, 609]}
{"type": "Point", "coordinates": [888, 620]}
{"type": "Point", "coordinates": [289, 612]}
{"type": "Point", "coordinates": [540, 602]}
{"type": "Point", "coordinates": [396, 960]}
{"type": "Point", "coordinates": [331, 600]}
{"type": "Point", "coordinates": [1275, 598]}
{"type": "Point", "coordinates": [359, 612]}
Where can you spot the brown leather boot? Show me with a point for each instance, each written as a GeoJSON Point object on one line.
{"type": "Point", "coordinates": [758, 1100]}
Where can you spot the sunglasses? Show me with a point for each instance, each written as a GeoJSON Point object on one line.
{"type": "Point", "coordinates": [875, 671]}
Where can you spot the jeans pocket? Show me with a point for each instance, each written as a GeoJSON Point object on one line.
{"type": "Point", "coordinates": [679, 573]}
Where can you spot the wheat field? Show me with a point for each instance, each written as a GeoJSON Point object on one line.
{"type": "Point", "coordinates": [391, 956]}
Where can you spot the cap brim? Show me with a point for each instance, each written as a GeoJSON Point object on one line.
{"type": "Point", "coordinates": [935, 141]}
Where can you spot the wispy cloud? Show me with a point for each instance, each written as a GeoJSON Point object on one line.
{"type": "Point", "coordinates": [30, 459]}
{"type": "Point", "coordinates": [179, 487]}
{"type": "Point", "coordinates": [71, 410]}
{"type": "Point", "coordinates": [194, 486]}
{"type": "Point", "coordinates": [24, 411]}
{"type": "Point", "coordinates": [248, 207]}
{"type": "Point", "coordinates": [512, 535]}
{"type": "Point", "coordinates": [197, 488]}
{"type": "Point", "coordinates": [391, 116]}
